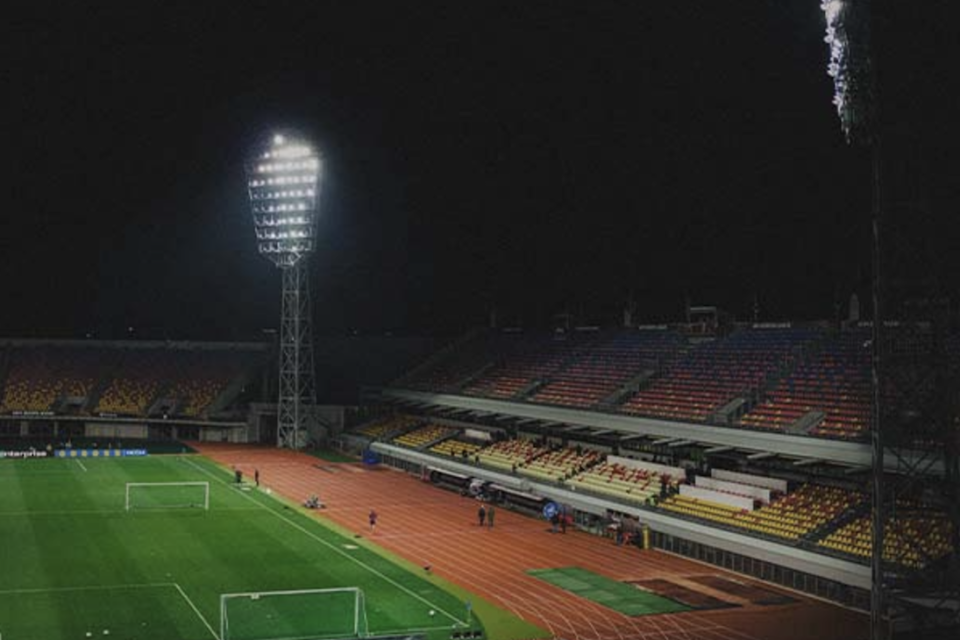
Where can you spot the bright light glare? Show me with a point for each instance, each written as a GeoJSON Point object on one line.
{"type": "Point", "coordinates": [293, 151]}
{"type": "Point", "coordinates": [847, 35]}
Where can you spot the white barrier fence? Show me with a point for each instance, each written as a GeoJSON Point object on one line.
{"type": "Point", "coordinates": [757, 493]}
{"type": "Point", "coordinates": [774, 484]}
{"type": "Point", "coordinates": [738, 502]}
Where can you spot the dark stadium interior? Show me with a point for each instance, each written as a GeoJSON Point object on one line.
{"type": "Point", "coordinates": [612, 265]}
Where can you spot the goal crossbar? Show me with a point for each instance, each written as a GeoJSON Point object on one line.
{"type": "Point", "coordinates": [204, 504]}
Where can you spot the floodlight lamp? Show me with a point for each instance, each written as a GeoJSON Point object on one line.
{"type": "Point", "coordinates": [849, 65]}
{"type": "Point", "coordinates": [287, 161]}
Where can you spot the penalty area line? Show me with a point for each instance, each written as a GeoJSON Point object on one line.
{"type": "Point", "coordinates": [111, 587]}
{"type": "Point", "coordinates": [196, 611]}
{"type": "Point", "coordinates": [80, 463]}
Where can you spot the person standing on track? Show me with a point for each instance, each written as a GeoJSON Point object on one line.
{"type": "Point", "coordinates": [373, 520]}
{"type": "Point", "coordinates": [481, 514]}
{"type": "Point", "coordinates": [256, 476]}
{"type": "Point", "coordinates": [490, 513]}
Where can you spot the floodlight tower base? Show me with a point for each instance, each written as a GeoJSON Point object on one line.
{"type": "Point", "coordinates": [298, 394]}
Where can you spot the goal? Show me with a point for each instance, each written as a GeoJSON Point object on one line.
{"type": "Point", "coordinates": [168, 495]}
{"type": "Point", "coordinates": [285, 615]}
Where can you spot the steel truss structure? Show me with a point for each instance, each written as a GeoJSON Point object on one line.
{"type": "Point", "coordinates": [298, 394]}
{"type": "Point", "coordinates": [917, 502]}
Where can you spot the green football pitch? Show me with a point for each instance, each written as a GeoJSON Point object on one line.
{"type": "Point", "coordinates": [75, 563]}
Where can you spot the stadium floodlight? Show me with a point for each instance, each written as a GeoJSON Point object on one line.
{"type": "Point", "coordinates": [283, 184]}
{"type": "Point", "coordinates": [848, 34]}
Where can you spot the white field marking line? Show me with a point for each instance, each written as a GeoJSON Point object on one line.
{"type": "Point", "coordinates": [403, 632]}
{"type": "Point", "coordinates": [61, 512]}
{"type": "Point", "coordinates": [36, 472]}
{"type": "Point", "coordinates": [291, 592]}
{"type": "Point", "coordinates": [95, 587]}
{"type": "Point", "coordinates": [80, 463]}
{"type": "Point", "coordinates": [406, 632]}
{"type": "Point", "coordinates": [63, 470]}
{"type": "Point", "coordinates": [145, 585]}
{"type": "Point", "coordinates": [196, 611]}
{"type": "Point", "coordinates": [334, 547]}
{"type": "Point", "coordinates": [109, 511]}
{"type": "Point", "coordinates": [264, 465]}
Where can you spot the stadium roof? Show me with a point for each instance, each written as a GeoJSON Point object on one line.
{"type": "Point", "coordinates": [756, 445]}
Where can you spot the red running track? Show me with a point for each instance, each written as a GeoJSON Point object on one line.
{"type": "Point", "coordinates": [425, 524]}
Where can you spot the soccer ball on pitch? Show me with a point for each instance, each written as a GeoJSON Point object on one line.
{"type": "Point", "coordinates": [432, 613]}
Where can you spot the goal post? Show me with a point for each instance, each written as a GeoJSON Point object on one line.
{"type": "Point", "coordinates": [167, 495]}
{"type": "Point", "coordinates": [334, 613]}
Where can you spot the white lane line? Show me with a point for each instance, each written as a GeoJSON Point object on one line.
{"type": "Point", "coordinates": [80, 463]}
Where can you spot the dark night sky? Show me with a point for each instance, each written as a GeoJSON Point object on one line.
{"type": "Point", "coordinates": [528, 155]}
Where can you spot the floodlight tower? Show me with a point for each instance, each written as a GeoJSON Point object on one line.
{"type": "Point", "coordinates": [283, 182]}
{"type": "Point", "coordinates": [914, 432]}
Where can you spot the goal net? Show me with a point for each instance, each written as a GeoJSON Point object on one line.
{"type": "Point", "coordinates": [168, 495]}
{"type": "Point", "coordinates": [288, 615]}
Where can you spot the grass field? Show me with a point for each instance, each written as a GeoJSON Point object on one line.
{"type": "Point", "coordinates": [74, 562]}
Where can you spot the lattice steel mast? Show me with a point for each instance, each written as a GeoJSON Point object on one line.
{"type": "Point", "coordinates": [850, 66]}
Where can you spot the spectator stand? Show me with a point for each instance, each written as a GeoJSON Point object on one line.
{"type": "Point", "coordinates": [628, 480]}
{"type": "Point", "coordinates": [425, 436]}
{"type": "Point", "coordinates": [51, 378]}
{"type": "Point", "coordinates": [618, 359]}
{"type": "Point", "coordinates": [510, 455]}
{"type": "Point", "coordinates": [913, 539]}
{"type": "Point", "coordinates": [387, 428]}
{"type": "Point", "coordinates": [560, 464]}
{"type": "Point", "coordinates": [827, 394]}
{"type": "Point", "coordinates": [458, 364]}
{"type": "Point", "coordinates": [533, 361]}
{"type": "Point", "coordinates": [457, 448]}
{"type": "Point", "coordinates": [792, 518]}
{"type": "Point", "coordinates": [719, 371]}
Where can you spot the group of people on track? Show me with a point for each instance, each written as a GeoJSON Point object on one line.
{"type": "Point", "coordinates": [486, 514]}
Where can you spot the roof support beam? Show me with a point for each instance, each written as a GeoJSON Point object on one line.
{"type": "Point", "coordinates": [718, 450]}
